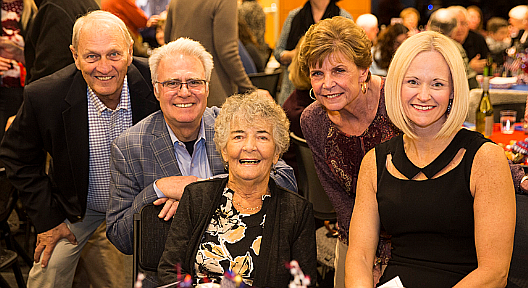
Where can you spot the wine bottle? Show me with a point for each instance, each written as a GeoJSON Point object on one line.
{"type": "Point", "coordinates": [484, 116]}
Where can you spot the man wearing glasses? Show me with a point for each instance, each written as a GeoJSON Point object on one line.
{"type": "Point", "coordinates": [155, 159]}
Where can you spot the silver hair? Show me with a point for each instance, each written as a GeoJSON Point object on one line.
{"type": "Point", "coordinates": [181, 46]}
{"type": "Point", "coordinates": [252, 108]}
{"type": "Point", "coordinates": [443, 21]}
{"type": "Point", "coordinates": [101, 19]}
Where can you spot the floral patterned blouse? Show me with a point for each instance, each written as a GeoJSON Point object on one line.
{"type": "Point", "coordinates": [231, 242]}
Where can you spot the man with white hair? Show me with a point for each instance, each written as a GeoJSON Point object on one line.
{"type": "Point", "coordinates": [74, 114]}
{"type": "Point", "coordinates": [519, 25]}
{"type": "Point", "coordinates": [369, 23]}
{"type": "Point", "coordinates": [445, 21]}
{"type": "Point", "coordinates": [474, 43]}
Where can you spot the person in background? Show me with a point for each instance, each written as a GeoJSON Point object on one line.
{"type": "Point", "coordinates": [475, 20]}
{"type": "Point", "coordinates": [250, 44]}
{"type": "Point", "coordinates": [444, 194]}
{"type": "Point", "coordinates": [519, 26]}
{"type": "Point", "coordinates": [386, 45]}
{"type": "Point", "coordinates": [498, 39]}
{"type": "Point", "coordinates": [49, 34]}
{"type": "Point", "coordinates": [246, 222]}
{"type": "Point", "coordinates": [295, 105]}
{"type": "Point", "coordinates": [251, 12]}
{"type": "Point", "coordinates": [213, 23]}
{"type": "Point", "coordinates": [160, 31]}
{"type": "Point", "coordinates": [294, 27]}
{"type": "Point", "coordinates": [411, 18]}
{"type": "Point", "coordinates": [445, 22]}
{"type": "Point", "coordinates": [155, 159]}
{"type": "Point", "coordinates": [16, 15]}
{"type": "Point", "coordinates": [347, 119]}
{"type": "Point", "coordinates": [134, 18]}
{"type": "Point", "coordinates": [369, 23]}
{"type": "Point", "coordinates": [87, 104]}
{"type": "Point", "coordinates": [474, 43]}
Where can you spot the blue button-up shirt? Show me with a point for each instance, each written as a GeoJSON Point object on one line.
{"type": "Point", "coordinates": [195, 165]}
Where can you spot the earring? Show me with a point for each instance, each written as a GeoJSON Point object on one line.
{"type": "Point", "coordinates": [226, 166]}
{"type": "Point", "coordinates": [449, 106]}
{"type": "Point", "coordinates": [273, 169]}
{"type": "Point", "coordinates": [364, 87]}
{"type": "Point", "coordinates": [312, 95]}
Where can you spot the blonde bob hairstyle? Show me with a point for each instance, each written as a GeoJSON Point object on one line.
{"type": "Point", "coordinates": [332, 36]}
{"type": "Point", "coordinates": [251, 108]}
{"type": "Point", "coordinates": [422, 42]}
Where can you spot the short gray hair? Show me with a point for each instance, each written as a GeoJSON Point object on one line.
{"type": "Point", "coordinates": [252, 108]}
{"type": "Point", "coordinates": [443, 21]}
{"type": "Point", "coordinates": [181, 46]}
{"type": "Point", "coordinates": [103, 19]}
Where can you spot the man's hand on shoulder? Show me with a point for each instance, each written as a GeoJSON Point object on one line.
{"type": "Point", "coordinates": [46, 242]}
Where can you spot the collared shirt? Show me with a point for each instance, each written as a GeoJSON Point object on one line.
{"type": "Point", "coordinates": [195, 165]}
{"type": "Point", "coordinates": [104, 125]}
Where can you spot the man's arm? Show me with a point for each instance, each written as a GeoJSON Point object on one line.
{"type": "Point", "coordinates": [23, 154]}
{"type": "Point", "coordinates": [131, 189]}
{"type": "Point", "coordinates": [127, 197]}
{"type": "Point", "coordinates": [284, 176]}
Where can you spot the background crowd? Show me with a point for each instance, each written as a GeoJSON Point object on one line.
{"type": "Point", "coordinates": [101, 97]}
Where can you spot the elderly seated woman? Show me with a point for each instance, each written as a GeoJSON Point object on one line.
{"type": "Point", "coordinates": [224, 224]}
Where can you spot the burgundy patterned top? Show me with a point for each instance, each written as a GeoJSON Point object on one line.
{"type": "Point", "coordinates": [11, 15]}
{"type": "Point", "coordinates": [338, 156]}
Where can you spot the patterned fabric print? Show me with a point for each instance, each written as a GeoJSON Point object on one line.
{"type": "Point", "coordinates": [230, 242]}
{"type": "Point", "coordinates": [11, 14]}
{"type": "Point", "coordinates": [105, 125]}
{"type": "Point", "coordinates": [344, 152]}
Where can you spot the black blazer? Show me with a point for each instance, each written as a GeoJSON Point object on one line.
{"type": "Point", "coordinates": [54, 119]}
{"type": "Point", "coordinates": [289, 234]}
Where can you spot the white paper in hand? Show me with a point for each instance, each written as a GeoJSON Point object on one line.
{"type": "Point", "coordinates": [393, 283]}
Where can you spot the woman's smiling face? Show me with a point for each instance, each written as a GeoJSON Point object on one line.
{"type": "Point", "coordinates": [250, 150]}
{"type": "Point", "coordinates": [426, 89]}
{"type": "Point", "coordinates": [337, 82]}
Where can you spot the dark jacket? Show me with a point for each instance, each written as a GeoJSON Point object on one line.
{"type": "Point", "coordinates": [48, 39]}
{"type": "Point", "coordinates": [54, 119]}
{"type": "Point", "coordinates": [290, 234]}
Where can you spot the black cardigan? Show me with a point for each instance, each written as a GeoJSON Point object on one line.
{"type": "Point", "coordinates": [289, 234]}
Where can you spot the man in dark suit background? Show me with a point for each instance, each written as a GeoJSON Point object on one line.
{"type": "Point", "coordinates": [73, 115]}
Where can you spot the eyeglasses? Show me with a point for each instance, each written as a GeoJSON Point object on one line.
{"type": "Point", "coordinates": [196, 85]}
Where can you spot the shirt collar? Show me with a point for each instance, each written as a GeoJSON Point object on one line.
{"type": "Point", "coordinates": [124, 101]}
{"type": "Point", "coordinates": [174, 139]}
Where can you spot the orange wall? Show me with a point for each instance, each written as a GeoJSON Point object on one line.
{"type": "Point", "coordinates": [275, 17]}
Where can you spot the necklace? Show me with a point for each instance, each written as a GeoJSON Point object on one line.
{"type": "Point", "coordinates": [250, 209]}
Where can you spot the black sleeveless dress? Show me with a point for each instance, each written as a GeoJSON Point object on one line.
{"type": "Point", "coordinates": [431, 221]}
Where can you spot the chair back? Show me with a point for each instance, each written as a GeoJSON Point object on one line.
{"type": "Point", "coordinates": [309, 181]}
{"type": "Point", "coordinates": [518, 269]}
{"type": "Point", "coordinates": [267, 81]}
{"type": "Point", "coordinates": [150, 234]}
